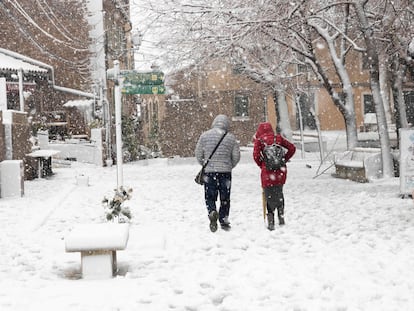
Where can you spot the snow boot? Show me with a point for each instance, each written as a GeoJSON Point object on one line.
{"type": "Point", "coordinates": [213, 216]}
{"type": "Point", "coordinates": [225, 224]}
{"type": "Point", "coordinates": [271, 221]}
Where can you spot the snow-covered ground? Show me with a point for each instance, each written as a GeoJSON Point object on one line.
{"type": "Point", "coordinates": [345, 246]}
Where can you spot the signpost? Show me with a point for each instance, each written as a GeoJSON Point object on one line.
{"type": "Point", "coordinates": [118, 123]}
{"type": "Point", "coordinates": [143, 89]}
{"type": "Point", "coordinates": [144, 78]}
{"type": "Point", "coordinates": [131, 82]}
{"type": "Point", "coordinates": [136, 82]}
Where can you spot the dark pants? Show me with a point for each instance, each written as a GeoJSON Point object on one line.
{"type": "Point", "coordinates": [215, 184]}
{"type": "Point", "coordinates": [275, 199]}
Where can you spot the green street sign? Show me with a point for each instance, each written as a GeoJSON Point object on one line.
{"type": "Point", "coordinates": [142, 78]}
{"type": "Point", "coordinates": [130, 89]}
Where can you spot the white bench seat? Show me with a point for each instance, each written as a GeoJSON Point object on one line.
{"type": "Point", "coordinates": [98, 244]}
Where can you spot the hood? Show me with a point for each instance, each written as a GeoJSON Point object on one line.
{"type": "Point", "coordinates": [264, 129]}
{"type": "Point", "coordinates": [221, 122]}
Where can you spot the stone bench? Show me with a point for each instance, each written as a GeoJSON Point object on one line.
{"type": "Point", "coordinates": [359, 164]}
{"type": "Point", "coordinates": [98, 244]}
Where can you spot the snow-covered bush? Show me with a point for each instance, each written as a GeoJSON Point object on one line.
{"type": "Point", "coordinates": [114, 208]}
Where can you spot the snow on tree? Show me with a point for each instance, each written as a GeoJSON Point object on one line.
{"type": "Point", "coordinates": [266, 37]}
{"type": "Point", "coordinates": [374, 20]}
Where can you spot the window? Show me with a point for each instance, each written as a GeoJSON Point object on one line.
{"type": "Point", "coordinates": [369, 106]}
{"type": "Point", "coordinates": [241, 106]}
{"type": "Point", "coordinates": [409, 104]}
{"type": "Point", "coordinates": [409, 98]}
{"type": "Point", "coordinates": [410, 74]}
{"type": "Point", "coordinates": [116, 41]}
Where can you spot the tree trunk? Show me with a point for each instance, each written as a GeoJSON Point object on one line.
{"type": "Point", "coordinates": [387, 163]}
{"type": "Point", "coordinates": [398, 96]}
{"type": "Point", "coordinates": [399, 103]}
{"type": "Point", "coordinates": [351, 132]}
{"type": "Point", "coordinates": [282, 114]}
{"type": "Point", "coordinates": [385, 87]}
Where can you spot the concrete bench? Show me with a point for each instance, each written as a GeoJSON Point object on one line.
{"type": "Point", "coordinates": [359, 164]}
{"type": "Point", "coordinates": [98, 244]}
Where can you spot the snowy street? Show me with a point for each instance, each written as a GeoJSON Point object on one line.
{"type": "Point", "coordinates": [108, 108]}
{"type": "Point", "coordinates": [345, 246]}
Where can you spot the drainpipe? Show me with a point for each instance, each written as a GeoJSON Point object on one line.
{"type": "Point", "coordinates": [73, 91]}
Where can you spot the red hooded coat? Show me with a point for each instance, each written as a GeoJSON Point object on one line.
{"type": "Point", "coordinates": [265, 134]}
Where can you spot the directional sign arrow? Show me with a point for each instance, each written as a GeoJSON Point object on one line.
{"type": "Point", "coordinates": [130, 89]}
{"type": "Point", "coordinates": [142, 78]}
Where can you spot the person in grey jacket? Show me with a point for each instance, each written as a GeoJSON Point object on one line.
{"type": "Point", "coordinates": [218, 171]}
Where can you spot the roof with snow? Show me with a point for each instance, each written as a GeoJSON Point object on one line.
{"type": "Point", "coordinates": [12, 61]}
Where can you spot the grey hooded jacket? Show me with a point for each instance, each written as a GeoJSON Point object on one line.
{"type": "Point", "coordinates": [227, 154]}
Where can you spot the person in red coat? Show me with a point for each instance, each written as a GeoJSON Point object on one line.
{"type": "Point", "coordinates": [272, 181]}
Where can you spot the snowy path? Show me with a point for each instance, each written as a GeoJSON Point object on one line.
{"type": "Point", "coordinates": [346, 246]}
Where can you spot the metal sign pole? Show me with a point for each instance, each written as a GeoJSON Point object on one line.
{"type": "Point", "coordinates": [118, 123]}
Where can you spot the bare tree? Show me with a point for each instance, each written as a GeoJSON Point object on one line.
{"type": "Point", "coordinates": [397, 32]}
{"type": "Point", "coordinates": [266, 37]}
{"type": "Point", "coordinates": [308, 27]}
{"type": "Point", "coordinates": [369, 16]}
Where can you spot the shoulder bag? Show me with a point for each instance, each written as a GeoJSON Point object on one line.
{"type": "Point", "coordinates": [199, 179]}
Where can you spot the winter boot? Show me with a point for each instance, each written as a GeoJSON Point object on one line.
{"type": "Point", "coordinates": [271, 221]}
{"type": "Point", "coordinates": [281, 216]}
{"type": "Point", "coordinates": [225, 223]}
{"type": "Point", "coordinates": [213, 216]}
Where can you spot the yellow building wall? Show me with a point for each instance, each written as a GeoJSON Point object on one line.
{"type": "Point", "coordinates": [329, 115]}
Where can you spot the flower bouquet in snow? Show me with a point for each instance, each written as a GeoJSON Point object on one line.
{"type": "Point", "coordinates": [115, 209]}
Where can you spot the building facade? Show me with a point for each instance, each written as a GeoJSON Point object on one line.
{"type": "Point", "coordinates": [310, 95]}
{"type": "Point", "coordinates": [172, 123]}
{"type": "Point", "coordinates": [75, 42]}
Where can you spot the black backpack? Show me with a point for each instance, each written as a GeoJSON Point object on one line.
{"type": "Point", "coordinates": [273, 156]}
